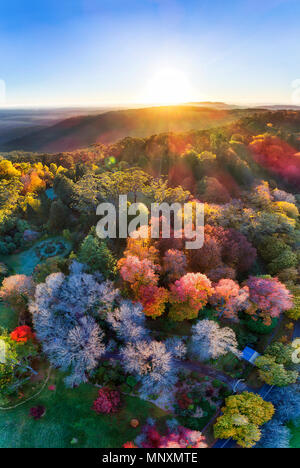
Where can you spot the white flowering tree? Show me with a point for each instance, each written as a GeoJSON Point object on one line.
{"type": "Point", "coordinates": [64, 312]}
{"type": "Point", "coordinates": [153, 363]}
{"type": "Point", "coordinates": [128, 321]}
{"type": "Point", "coordinates": [210, 341]}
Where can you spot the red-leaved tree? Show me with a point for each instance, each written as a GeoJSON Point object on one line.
{"type": "Point", "coordinates": [108, 401]}
{"type": "Point", "coordinates": [153, 299]}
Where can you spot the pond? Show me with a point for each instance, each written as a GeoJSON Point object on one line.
{"type": "Point", "coordinates": [25, 262]}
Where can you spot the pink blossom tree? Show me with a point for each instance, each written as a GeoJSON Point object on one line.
{"type": "Point", "coordinates": [269, 298]}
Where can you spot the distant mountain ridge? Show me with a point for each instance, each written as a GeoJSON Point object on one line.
{"type": "Point", "coordinates": [84, 130]}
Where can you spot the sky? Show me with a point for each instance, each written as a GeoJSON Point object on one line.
{"type": "Point", "coordinates": [121, 52]}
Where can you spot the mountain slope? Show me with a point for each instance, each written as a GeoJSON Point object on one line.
{"type": "Point", "coordinates": [81, 131]}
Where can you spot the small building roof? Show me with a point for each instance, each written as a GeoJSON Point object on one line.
{"type": "Point", "coordinates": [250, 355]}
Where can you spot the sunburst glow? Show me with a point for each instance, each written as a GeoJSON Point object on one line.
{"type": "Point", "coordinates": [168, 86]}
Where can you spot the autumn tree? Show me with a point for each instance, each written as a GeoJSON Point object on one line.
{"type": "Point", "coordinates": [229, 299]}
{"type": "Point", "coordinates": [138, 272]}
{"type": "Point", "coordinates": [207, 258]}
{"type": "Point", "coordinates": [174, 264]}
{"type": "Point", "coordinates": [242, 417]}
{"type": "Point", "coordinates": [153, 299]}
{"type": "Point", "coordinates": [7, 170]}
{"type": "Point", "coordinates": [141, 247]}
{"type": "Point", "coordinates": [189, 295]}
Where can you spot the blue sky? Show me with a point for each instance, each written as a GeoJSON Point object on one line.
{"type": "Point", "coordinates": [94, 52]}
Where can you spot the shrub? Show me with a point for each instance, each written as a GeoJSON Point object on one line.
{"type": "Point", "coordinates": [22, 334]}
{"type": "Point", "coordinates": [49, 266]}
{"type": "Point", "coordinates": [259, 327]}
{"type": "Point", "coordinates": [37, 412]}
{"type": "Point", "coordinates": [108, 401]}
{"type": "Point", "coordinates": [176, 437]}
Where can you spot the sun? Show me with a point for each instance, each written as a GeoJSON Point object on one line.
{"type": "Point", "coordinates": [168, 86]}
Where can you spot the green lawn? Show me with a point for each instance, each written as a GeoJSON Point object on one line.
{"type": "Point", "coordinates": [8, 318]}
{"type": "Point", "coordinates": [69, 415]}
{"type": "Point", "coordinates": [295, 429]}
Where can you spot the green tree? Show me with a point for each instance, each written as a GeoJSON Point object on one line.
{"type": "Point", "coordinates": [58, 216]}
{"type": "Point", "coordinates": [97, 256]}
{"type": "Point", "coordinates": [65, 189]}
{"type": "Point", "coordinates": [273, 373]}
{"type": "Point", "coordinates": [281, 352]}
{"type": "Point", "coordinates": [294, 313]}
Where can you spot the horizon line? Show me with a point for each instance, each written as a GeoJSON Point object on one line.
{"type": "Point", "coordinates": [132, 105]}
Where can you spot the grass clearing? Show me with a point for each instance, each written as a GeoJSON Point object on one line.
{"type": "Point", "coordinates": [69, 415]}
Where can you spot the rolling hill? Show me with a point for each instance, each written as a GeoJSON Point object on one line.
{"type": "Point", "coordinates": [81, 131]}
